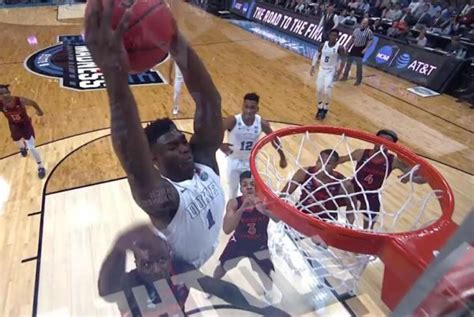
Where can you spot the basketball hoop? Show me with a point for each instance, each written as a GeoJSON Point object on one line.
{"type": "Point", "coordinates": [406, 250]}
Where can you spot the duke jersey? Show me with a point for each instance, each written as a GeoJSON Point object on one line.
{"type": "Point", "coordinates": [252, 227]}
{"type": "Point", "coordinates": [17, 114]}
{"type": "Point", "coordinates": [315, 197]}
{"type": "Point", "coordinates": [244, 137]}
{"type": "Point", "coordinates": [329, 57]}
{"type": "Point", "coordinates": [372, 171]}
{"type": "Point", "coordinates": [192, 233]}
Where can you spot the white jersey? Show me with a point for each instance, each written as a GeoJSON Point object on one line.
{"type": "Point", "coordinates": [329, 57]}
{"type": "Point", "coordinates": [192, 233]}
{"type": "Point", "coordinates": [244, 137]}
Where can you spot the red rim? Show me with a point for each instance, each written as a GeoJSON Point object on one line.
{"type": "Point", "coordinates": [370, 242]}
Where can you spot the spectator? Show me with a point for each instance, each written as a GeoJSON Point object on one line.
{"type": "Point", "coordinates": [350, 20]}
{"type": "Point", "coordinates": [342, 16]}
{"type": "Point", "coordinates": [467, 14]}
{"type": "Point", "coordinates": [376, 10]}
{"type": "Point", "coordinates": [423, 8]}
{"type": "Point", "coordinates": [435, 9]}
{"type": "Point", "coordinates": [300, 5]}
{"type": "Point", "coordinates": [408, 17]}
{"type": "Point", "coordinates": [329, 21]}
{"type": "Point", "coordinates": [414, 5]}
{"type": "Point", "coordinates": [354, 4]}
{"type": "Point", "coordinates": [421, 38]}
{"type": "Point", "coordinates": [364, 6]}
{"type": "Point", "coordinates": [397, 28]}
{"type": "Point", "coordinates": [425, 18]}
{"type": "Point", "coordinates": [449, 27]}
{"type": "Point", "coordinates": [377, 27]}
{"type": "Point", "coordinates": [393, 13]}
{"type": "Point", "coordinates": [455, 48]}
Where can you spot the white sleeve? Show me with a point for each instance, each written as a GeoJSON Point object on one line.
{"type": "Point", "coordinates": [335, 19]}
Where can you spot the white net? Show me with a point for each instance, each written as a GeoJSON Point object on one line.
{"type": "Point", "coordinates": [361, 193]}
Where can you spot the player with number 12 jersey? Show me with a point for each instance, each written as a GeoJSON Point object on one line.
{"type": "Point", "coordinates": [244, 131]}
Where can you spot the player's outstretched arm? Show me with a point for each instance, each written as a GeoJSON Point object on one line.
{"type": "Point", "coordinates": [355, 155]}
{"type": "Point", "coordinates": [31, 103]}
{"type": "Point", "coordinates": [208, 132]}
{"type": "Point", "coordinates": [399, 164]}
{"type": "Point", "coordinates": [112, 272]}
{"type": "Point", "coordinates": [297, 179]}
{"type": "Point", "coordinates": [227, 125]}
{"type": "Point", "coordinates": [267, 129]}
{"type": "Point", "coordinates": [150, 191]}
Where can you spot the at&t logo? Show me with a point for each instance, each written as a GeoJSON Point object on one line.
{"type": "Point", "coordinates": [403, 61]}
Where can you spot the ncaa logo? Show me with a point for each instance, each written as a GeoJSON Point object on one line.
{"type": "Point", "coordinates": [403, 60]}
{"type": "Point", "coordinates": [384, 54]}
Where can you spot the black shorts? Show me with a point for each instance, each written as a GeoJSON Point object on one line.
{"type": "Point", "coordinates": [235, 250]}
{"type": "Point", "coordinates": [369, 202]}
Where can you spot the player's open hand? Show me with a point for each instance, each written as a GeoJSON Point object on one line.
{"type": "Point", "coordinates": [105, 43]}
{"type": "Point", "coordinates": [227, 148]}
{"type": "Point", "coordinates": [247, 203]}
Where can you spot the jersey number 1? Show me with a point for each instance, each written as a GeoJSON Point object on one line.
{"type": "Point", "coordinates": [210, 219]}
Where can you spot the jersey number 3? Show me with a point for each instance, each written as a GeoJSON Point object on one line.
{"type": "Point", "coordinates": [210, 219]}
{"type": "Point", "coordinates": [246, 145]}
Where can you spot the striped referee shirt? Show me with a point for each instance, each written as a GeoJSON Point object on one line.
{"type": "Point", "coordinates": [361, 37]}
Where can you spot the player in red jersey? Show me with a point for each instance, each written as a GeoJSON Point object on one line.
{"type": "Point", "coordinates": [323, 190]}
{"type": "Point", "coordinates": [373, 167]}
{"type": "Point", "coordinates": [247, 218]}
{"type": "Point", "coordinates": [21, 129]}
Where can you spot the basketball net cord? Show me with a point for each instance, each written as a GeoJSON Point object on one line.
{"type": "Point", "coordinates": [328, 267]}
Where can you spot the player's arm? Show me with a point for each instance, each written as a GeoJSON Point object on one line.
{"type": "Point", "coordinates": [232, 216]}
{"type": "Point", "coordinates": [342, 58]}
{"type": "Point", "coordinates": [28, 102]}
{"type": "Point", "coordinates": [152, 193]}
{"type": "Point", "coordinates": [355, 155]}
{"type": "Point", "coordinates": [208, 132]}
{"type": "Point", "coordinates": [112, 272]}
{"type": "Point", "coordinates": [227, 125]}
{"type": "Point", "coordinates": [262, 208]}
{"type": "Point", "coordinates": [399, 164]}
{"type": "Point", "coordinates": [267, 129]}
{"type": "Point", "coordinates": [315, 59]}
{"type": "Point", "coordinates": [297, 179]}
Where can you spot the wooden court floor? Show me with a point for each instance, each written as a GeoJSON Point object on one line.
{"type": "Point", "coordinates": [72, 135]}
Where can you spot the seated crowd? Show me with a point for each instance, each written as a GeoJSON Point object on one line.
{"type": "Point", "coordinates": [404, 20]}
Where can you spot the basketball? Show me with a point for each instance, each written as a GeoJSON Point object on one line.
{"type": "Point", "coordinates": [151, 28]}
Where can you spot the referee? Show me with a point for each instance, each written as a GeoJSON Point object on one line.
{"type": "Point", "coordinates": [361, 38]}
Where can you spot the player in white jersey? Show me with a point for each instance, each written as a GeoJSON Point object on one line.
{"type": "Point", "coordinates": [330, 51]}
{"type": "Point", "coordinates": [177, 85]}
{"type": "Point", "coordinates": [174, 181]}
{"type": "Point", "coordinates": [244, 131]}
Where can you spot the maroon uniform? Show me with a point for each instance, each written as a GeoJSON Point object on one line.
{"type": "Point", "coordinates": [314, 191]}
{"type": "Point", "coordinates": [249, 237]}
{"type": "Point", "coordinates": [370, 176]}
{"type": "Point", "coordinates": [18, 120]}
